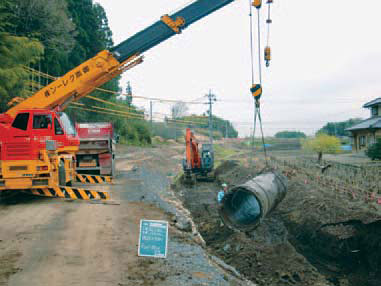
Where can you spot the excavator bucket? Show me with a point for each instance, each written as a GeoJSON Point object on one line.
{"type": "Point", "coordinates": [189, 178]}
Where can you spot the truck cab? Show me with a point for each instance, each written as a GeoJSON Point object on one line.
{"type": "Point", "coordinates": [26, 146]}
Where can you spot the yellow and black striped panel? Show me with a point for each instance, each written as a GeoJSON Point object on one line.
{"type": "Point", "coordinates": [71, 193]}
{"type": "Point", "coordinates": [93, 179]}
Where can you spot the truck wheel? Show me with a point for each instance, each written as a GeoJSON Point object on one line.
{"type": "Point", "coordinates": [61, 174]}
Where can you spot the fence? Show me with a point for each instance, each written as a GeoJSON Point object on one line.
{"type": "Point", "coordinates": [352, 179]}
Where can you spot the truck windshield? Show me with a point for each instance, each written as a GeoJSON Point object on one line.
{"type": "Point", "coordinates": [67, 125]}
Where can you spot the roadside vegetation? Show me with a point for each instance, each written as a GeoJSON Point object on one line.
{"type": "Point", "coordinates": [338, 128]}
{"type": "Point", "coordinates": [322, 144]}
{"type": "Point", "coordinates": [290, 134]}
{"type": "Point", "coordinates": [374, 151]}
{"type": "Point", "coordinates": [221, 128]}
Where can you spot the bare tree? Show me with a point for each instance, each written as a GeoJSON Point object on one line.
{"type": "Point", "coordinates": [179, 110]}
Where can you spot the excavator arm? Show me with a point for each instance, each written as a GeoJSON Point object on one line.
{"type": "Point", "coordinates": [192, 159]}
{"type": "Point", "coordinates": [106, 65]}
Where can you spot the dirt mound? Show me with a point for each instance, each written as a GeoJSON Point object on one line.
{"type": "Point", "coordinates": [232, 173]}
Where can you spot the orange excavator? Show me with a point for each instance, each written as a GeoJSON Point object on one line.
{"type": "Point", "coordinates": [197, 164]}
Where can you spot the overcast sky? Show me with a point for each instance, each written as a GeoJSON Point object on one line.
{"type": "Point", "coordinates": [326, 60]}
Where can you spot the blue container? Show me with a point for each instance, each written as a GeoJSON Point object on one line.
{"type": "Point", "coordinates": [346, 148]}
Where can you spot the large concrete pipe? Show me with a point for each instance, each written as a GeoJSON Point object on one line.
{"type": "Point", "coordinates": [245, 206]}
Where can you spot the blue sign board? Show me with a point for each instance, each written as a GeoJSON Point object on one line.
{"type": "Point", "coordinates": [153, 238]}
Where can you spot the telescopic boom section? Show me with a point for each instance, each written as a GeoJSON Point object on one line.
{"type": "Point", "coordinates": [106, 65]}
{"type": "Point", "coordinates": [167, 27]}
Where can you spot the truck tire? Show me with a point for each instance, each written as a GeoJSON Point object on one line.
{"type": "Point", "coordinates": [61, 174]}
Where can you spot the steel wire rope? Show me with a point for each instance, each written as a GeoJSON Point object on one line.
{"type": "Point", "coordinates": [257, 110]}
{"type": "Point", "coordinates": [268, 22]}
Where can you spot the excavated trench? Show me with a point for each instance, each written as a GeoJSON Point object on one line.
{"type": "Point", "coordinates": [346, 253]}
{"type": "Point", "coordinates": [315, 237]}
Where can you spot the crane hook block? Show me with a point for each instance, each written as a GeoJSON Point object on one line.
{"type": "Point", "coordinates": [257, 3]}
{"type": "Point", "coordinates": [175, 25]}
{"type": "Point", "coordinates": [267, 56]}
{"type": "Point", "coordinates": [256, 91]}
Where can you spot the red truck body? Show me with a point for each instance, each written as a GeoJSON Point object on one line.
{"type": "Point", "coordinates": [97, 148]}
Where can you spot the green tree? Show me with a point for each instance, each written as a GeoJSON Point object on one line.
{"type": "Point", "coordinates": [49, 22]}
{"type": "Point", "coordinates": [15, 52]}
{"type": "Point", "coordinates": [322, 144]}
{"type": "Point", "coordinates": [92, 36]}
{"type": "Point", "coordinates": [290, 134]}
{"type": "Point", "coordinates": [338, 128]}
{"type": "Point", "coordinates": [220, 125]}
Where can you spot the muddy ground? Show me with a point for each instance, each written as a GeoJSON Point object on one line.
{"type": "Point", "coordinates": [58, 242]}
{"type": "Point", "coordinates": [317, 236]}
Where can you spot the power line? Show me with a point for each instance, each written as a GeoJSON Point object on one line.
{"type": "Point", "coordinates": [119, 93]}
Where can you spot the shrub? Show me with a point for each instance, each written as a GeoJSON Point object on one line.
{"type": "Point", "coordinates": [374, 151]}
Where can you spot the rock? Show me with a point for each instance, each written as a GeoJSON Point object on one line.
{"type": "Point", "coordinates": [183, 224]}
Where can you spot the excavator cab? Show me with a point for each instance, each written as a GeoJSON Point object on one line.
{"type": "Point", "coordinates": [207, 158]}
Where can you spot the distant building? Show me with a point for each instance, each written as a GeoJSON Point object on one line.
{"type": "Point", "coordinates": [368, 131]}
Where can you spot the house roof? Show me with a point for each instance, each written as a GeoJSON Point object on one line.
{"type": "Point", "coordinates": [373, 102]}
{"type": "Point", "coordinates": [374, 122]}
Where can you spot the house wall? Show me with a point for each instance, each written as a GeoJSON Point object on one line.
{"type": "Point", "coordinates": [363, 138]}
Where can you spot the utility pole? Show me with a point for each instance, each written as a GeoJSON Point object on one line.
{"type": "Point", "coordinates": [212, 98]}
{"type": "Point", "coordinates": [226, 129]}
{"type": "Point", "coordinates": [175, 131]}
{"type": "Point", "coordinates": [150, 112]}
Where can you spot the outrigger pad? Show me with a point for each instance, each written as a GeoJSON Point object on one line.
{"type": "Point", "coordinates": [93, 179]}
{"type": "Point", "coordinates": [70, 193]}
